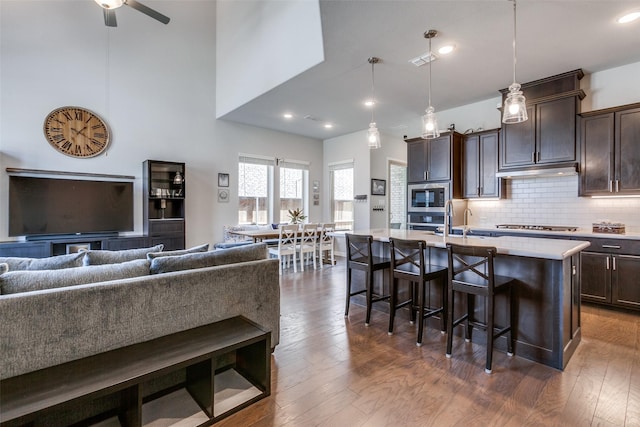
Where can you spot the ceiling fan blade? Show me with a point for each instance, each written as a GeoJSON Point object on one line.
{"type": "Point", "coordinates": [110, 17]}
{"type": "Point", "coordinates": [147, 11]}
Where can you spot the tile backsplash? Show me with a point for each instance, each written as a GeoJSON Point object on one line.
{"type": "Point", "coordinates": [552, 201]}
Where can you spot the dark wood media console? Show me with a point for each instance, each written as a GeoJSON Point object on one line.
{"type": "Point", "coordinates": [209, 354]}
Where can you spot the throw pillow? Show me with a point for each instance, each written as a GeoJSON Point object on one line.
{"type": "Point", "coordinates": [195, 249]}
{"type": "Point", "coordinates": [250, 252]}
{"type": "Point", "coordinates": [115, 257]}
{"type": "Point", "coordinates": [25, 281]}
{"type": "Point", "coordinates": [51, 263]}
{"type": "Point", "coordinates": [4, 267]}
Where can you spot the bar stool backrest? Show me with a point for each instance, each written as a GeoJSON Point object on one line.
{"type": "Point", "coordinates": [407, 256]}
{"type": "Point", "coordinates": [359, 249]}
{"type": "Point", "coordinates": [471, 266]}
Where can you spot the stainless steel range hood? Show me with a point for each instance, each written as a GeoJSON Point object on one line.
{"type": "Point", "coordinates": [539, 172]}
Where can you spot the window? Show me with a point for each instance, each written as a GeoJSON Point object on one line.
{"type": "Point", "coordinates": [253, 190]}
{"type": "Point", "coordinates": [397, 195]}
{"type": "Point", "coordinates": [293, 183]}
{"type": "Point", "coordinates": [258, 195]}
{"type": "Point", "coordinates": [341, 181]}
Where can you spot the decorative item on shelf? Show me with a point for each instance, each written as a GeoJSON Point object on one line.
{"type": "Point", "coordinates": [373, 136]}
{"type": "Point", "coordinates": [178, 179]}
{"type": "Point", "coordinates": [515, 109]}
{"type": "Point", "coordinates": [429, 120]}
{"type": "Point", "coordinates": [360, 197]}
{"type": "Point", "coordinates": [163, 206]}
{"type": "Point", "coordinates": [296, 216]}
{"type": "Point", "coordinates": [378, 187]}
{"type": "Point", "coordinates": [608, 227]}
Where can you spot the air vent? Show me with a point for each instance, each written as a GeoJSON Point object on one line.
{"type": "Point", "coordinates": [423, 59]}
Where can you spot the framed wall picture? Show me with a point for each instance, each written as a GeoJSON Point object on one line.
{"type": "Point", "coordinates": [223, 195]}
{"type": "Point", "coordinates": [378, 187]}
{"type": "Point", "coordinates": [223, 180]}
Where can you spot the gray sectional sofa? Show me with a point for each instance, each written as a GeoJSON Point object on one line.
{"type": "Point", "coordinates": [72, 306]}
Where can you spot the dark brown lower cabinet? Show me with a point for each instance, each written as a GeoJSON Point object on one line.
{"type": "Point", "coordinates": [611, 279]}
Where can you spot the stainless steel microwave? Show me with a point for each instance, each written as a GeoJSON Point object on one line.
{"type": "Point", "coordinates": [427, 197]}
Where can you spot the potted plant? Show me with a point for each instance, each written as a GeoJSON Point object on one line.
{"type": "Point", "coordinates": [296, 216]}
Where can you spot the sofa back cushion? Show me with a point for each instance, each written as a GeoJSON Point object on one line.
{"type": "Point", "coordinates": [4, 267]}
{"type": "Point", "coordinates": [251, 252]}
{"type": "Point", "coordinates": [195, 249]}
{"type": "Point", "coordinates": [24, 281]}
{"type": "Point", "coordinates": [50, 263]}
{"type": "Point", "coordinates": [115, 257]}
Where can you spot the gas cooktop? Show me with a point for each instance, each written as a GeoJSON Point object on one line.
{"type": "Point", "coordinates": [536, 227]}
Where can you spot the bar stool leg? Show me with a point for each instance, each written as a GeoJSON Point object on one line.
{"type": "Point", "coordinates": [421, 303]}
{"type": "Point", "coordinates": [393, 301]}
{"type": "Point", "coordinates": [369, 285]}
{"type": "Point", "coordinates": [450, 306]}
{"type": "Point", "coordinates": [490, 322]}
{"type": "Point", "coordinates": [511, 322]}
{"type": "Point", "coordinates": [346, 309]}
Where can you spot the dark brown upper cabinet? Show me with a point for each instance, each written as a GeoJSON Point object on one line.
{"type": "Point", "coordinates": [480, 164]}
{"type": "Point", "coordinates": [610, 151]}
{"type": "Point", "coordinates": [548, 137]}
{"type": "Point", "coordinates": [435, 160]}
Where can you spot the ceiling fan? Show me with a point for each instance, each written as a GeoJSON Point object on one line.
{"type": "Point", "coordinates": [109, 8]}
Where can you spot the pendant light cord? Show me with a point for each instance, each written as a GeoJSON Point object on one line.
{"type": "Point", "coordinates": [514, 41]}
{"type": "Point", "coordinates": [430, 61]}
{"type": "Point", "coordinates": [373, 89]}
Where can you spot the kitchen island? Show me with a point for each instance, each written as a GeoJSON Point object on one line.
{"type": "Point", "coordinates": [547, 293]}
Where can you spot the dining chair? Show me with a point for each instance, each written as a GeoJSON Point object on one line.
{"type": "Point", "coordinates": [287, 245]}
{"type": "Point", "coordinates": [307, 245]}
{"type": "Point", "coordinates": [471, 271]}
{"type": "Point", "coordinates": [325, 242]}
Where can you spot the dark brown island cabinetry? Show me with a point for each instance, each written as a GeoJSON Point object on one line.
{"type": "Point", "coordinates": [548, 137]}
{"type": "Point", "coordinates": [480, 164]}
{"type": "Point", "coordinates": [163, 205]}
{"type": "Point", "coordinates": [435, 160]}
{"type": "Point", "coordinates": [610, 151]}
{"type": "Point", "coordinates": [610, 271]}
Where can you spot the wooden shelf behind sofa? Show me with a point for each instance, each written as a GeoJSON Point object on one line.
{"type": "Point", "coordinates": [123, 372]}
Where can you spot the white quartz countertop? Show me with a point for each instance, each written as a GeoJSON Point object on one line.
{"type": "Point", "coordinates": [505, 245]}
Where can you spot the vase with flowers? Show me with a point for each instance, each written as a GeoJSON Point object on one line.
{"type": "Point", "coordinates": [296, 216]}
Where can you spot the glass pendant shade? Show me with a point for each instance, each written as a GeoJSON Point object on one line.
{"type": "Point", "coordinates": [110, 4]}
{"type": "Point", "coordinates": [430, 124]}
{"type": "Point", "coordinates": [515, 109]}
{"type": "Point", "coordinates": [373, 136]}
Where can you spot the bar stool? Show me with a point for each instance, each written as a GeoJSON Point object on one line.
{"type": "Point", "coordinates": [471, 272]}
{"type": "Point", "coordinates": [408, 263]}
{"type": "Point", "coordinates": [360, 257]}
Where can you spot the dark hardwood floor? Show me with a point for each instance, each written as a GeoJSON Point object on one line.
{"type": "Point", "coordinates": [333, 371]}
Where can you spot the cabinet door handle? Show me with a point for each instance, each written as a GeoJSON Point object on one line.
{"type": "Point", "coordinates": [614, 263]}
{"type": "Point", "coordinates": [533, 157]}
{"type": "Point", "coordinates": [608, 263]}
{"type": "Point", "coordinates": [538, 157]}
{"type": "Point", "coordinates": [478, 191]}
{"type": "Point", "coordinates": [425, 175]}
{"type": "Point", "coordinates": [573, 270]}
{"type": "Point", "coordinates": [611, 246]}
{"type": "Point", "coordinates": [610, 186]}
{"type": "Point", "coordinates": [481, 190]}
{"type": "Point", "coordinates": [617, 186]}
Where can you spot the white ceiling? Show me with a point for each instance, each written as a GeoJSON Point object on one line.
{"type": "Point", "coordinates": [553, 37]}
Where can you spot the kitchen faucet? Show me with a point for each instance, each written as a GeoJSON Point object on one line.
{"type": "Point", "coordinates": [465, 228]}
{"type": "Point", "coordinates": [448, 210]}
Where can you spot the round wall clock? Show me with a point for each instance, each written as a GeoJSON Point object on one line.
{"type": "Point", "coordinates": [76, 132]}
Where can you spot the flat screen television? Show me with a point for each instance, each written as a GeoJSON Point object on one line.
{"type": "Point", "coordinates": [50, 206]}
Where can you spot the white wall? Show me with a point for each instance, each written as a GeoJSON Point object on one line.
{"type": "Point", "coordinates": [392, 148]}
{"type": "Point", "coordinates": [262, 44]}
{"type": "Point", "coordinates": [153, 84]}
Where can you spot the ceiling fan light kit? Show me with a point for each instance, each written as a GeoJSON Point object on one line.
{"type": "Point", "coordinates": [109, 6]}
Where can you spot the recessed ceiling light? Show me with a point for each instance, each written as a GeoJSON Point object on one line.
{"type": "Point", "coordinates": [287, 115]}
{"type": "Point", "coordinates": [446, 49]}
{"type": "Point", "coordinates": [328, 125]}
{"type": "Point", "coordinates": [369, 102]}
{"type": "Point", "coordinates": [629, 17]}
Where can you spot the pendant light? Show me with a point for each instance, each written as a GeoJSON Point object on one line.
{"type": "Point", "coordinates": [373, 136]}
{"type": "Point", "coordinates": [429, 120]}
{"type": "Point", "coordinates": [515, 108]}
